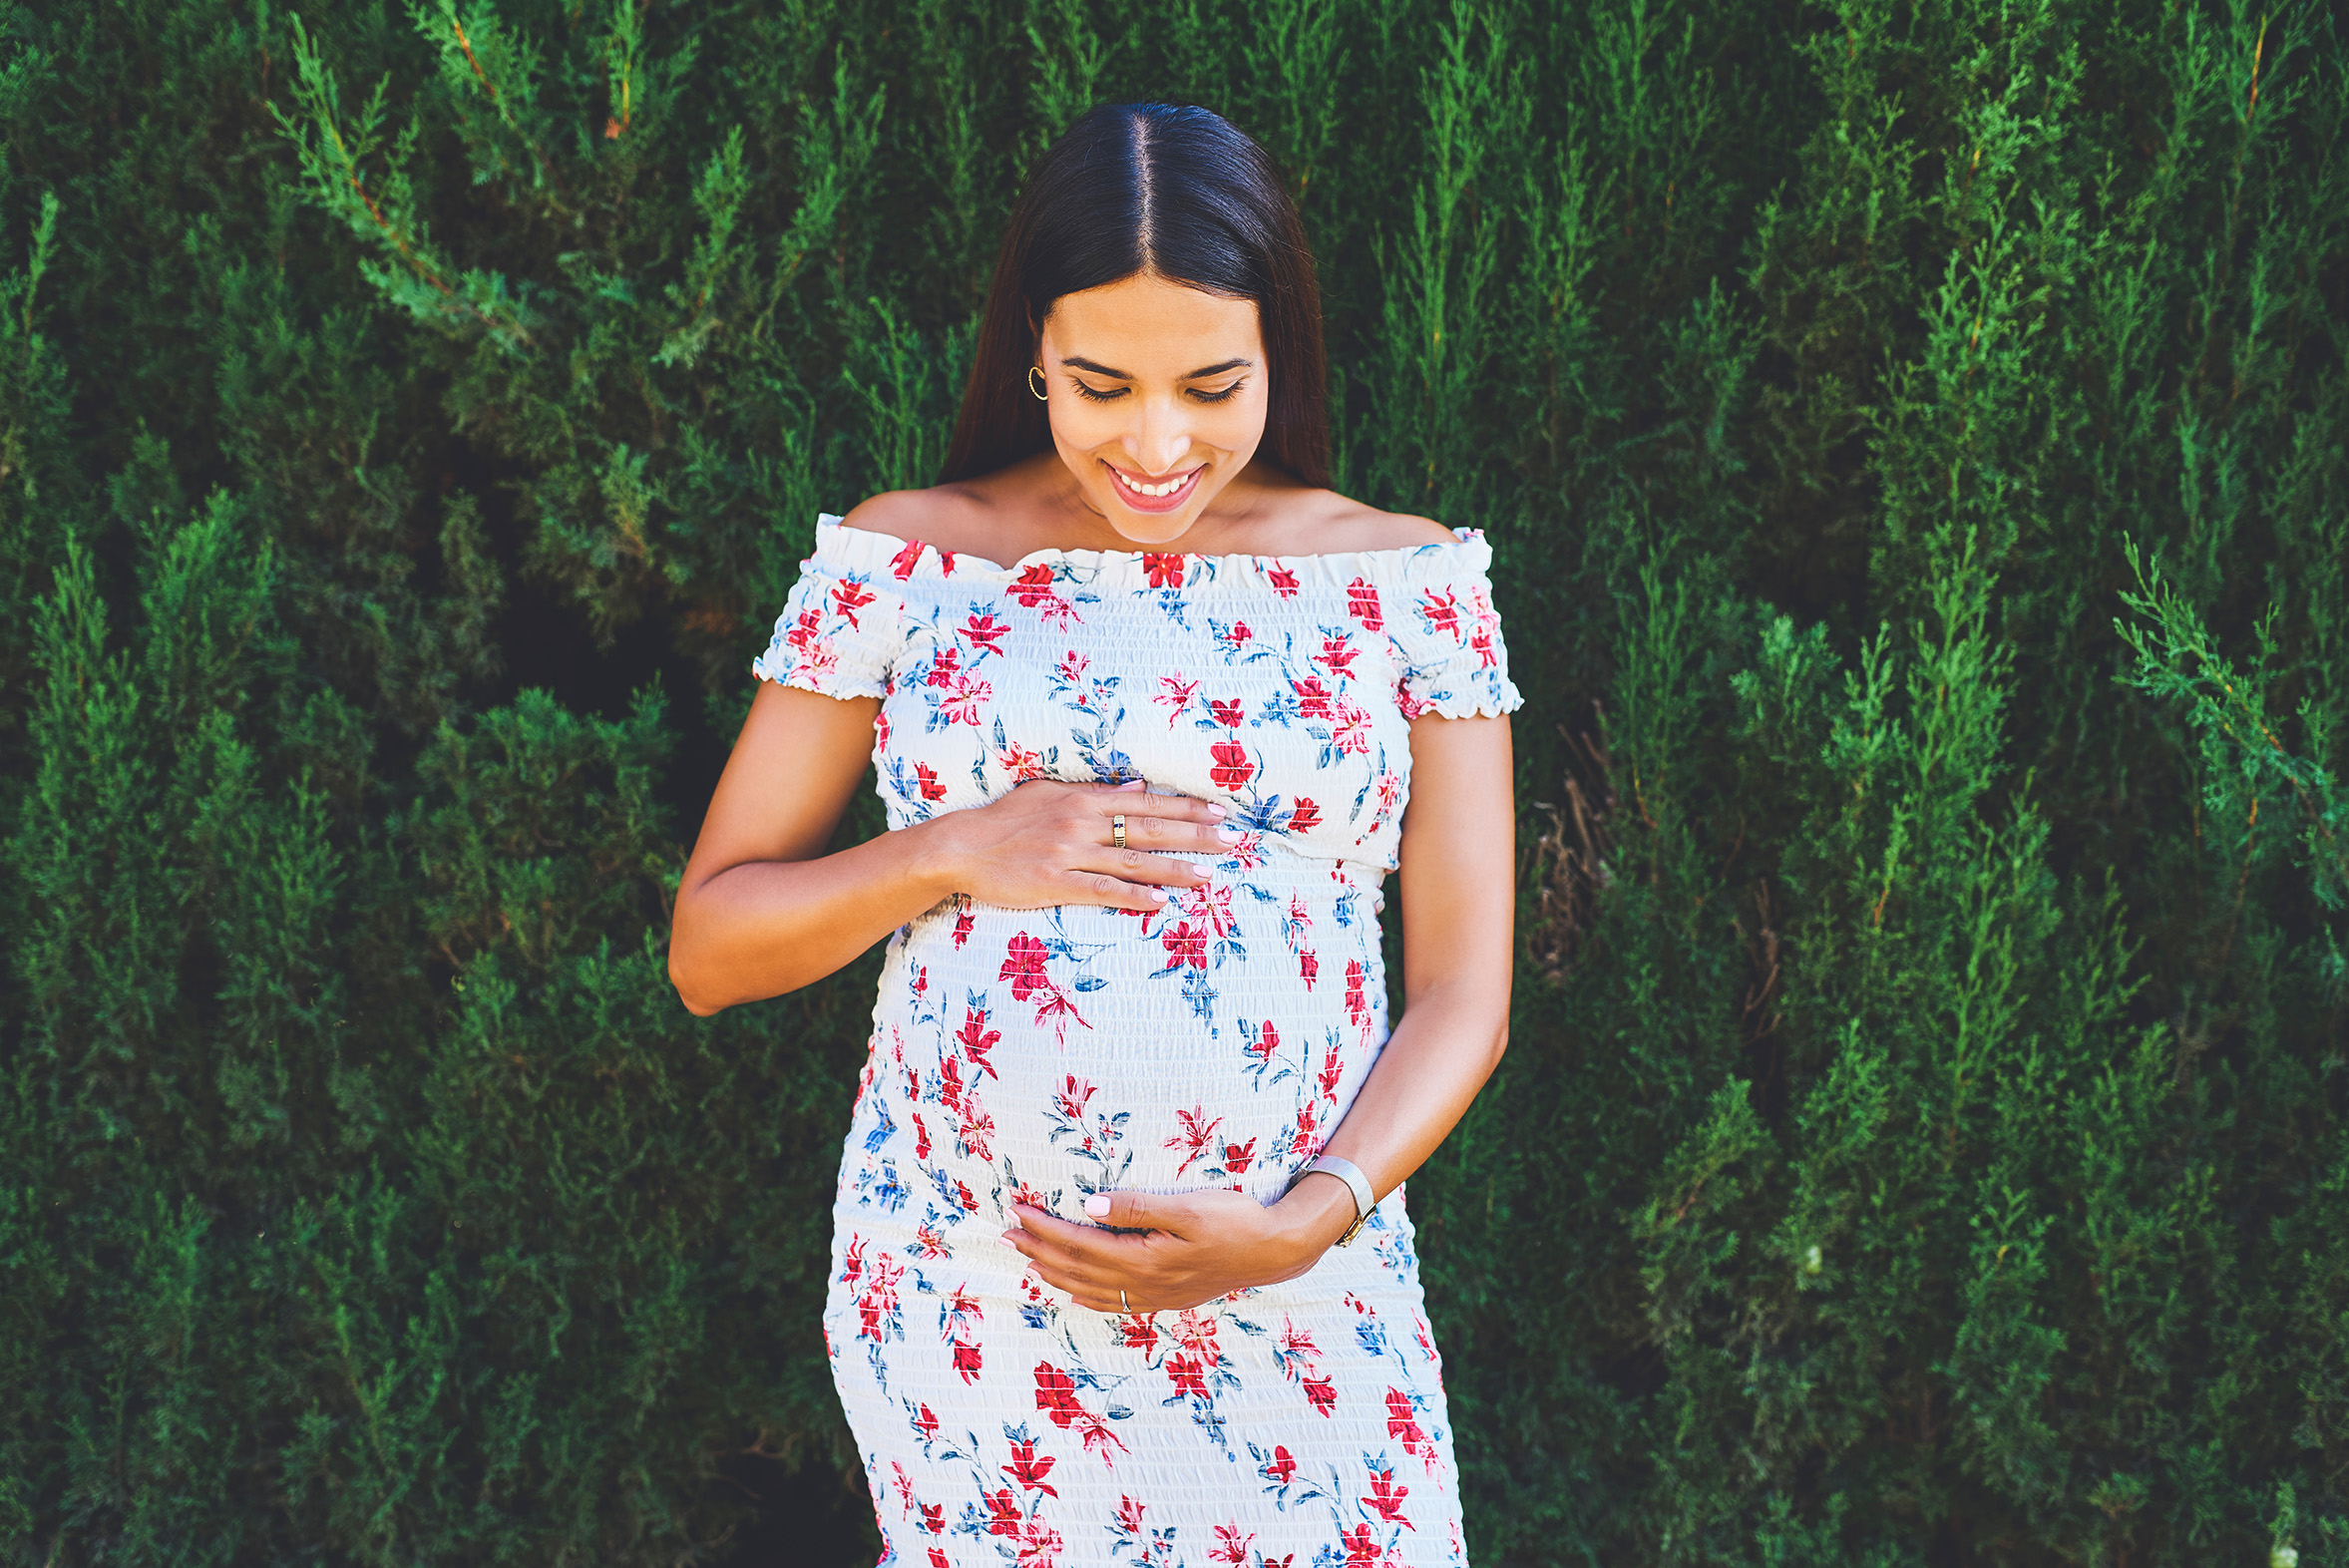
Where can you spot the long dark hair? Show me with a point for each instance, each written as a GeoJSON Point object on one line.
{"type": "Point", "coordinates": [1182, 192]}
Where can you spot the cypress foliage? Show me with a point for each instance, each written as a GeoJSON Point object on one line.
{"type": "Point", "coordinates": [1915, 440]}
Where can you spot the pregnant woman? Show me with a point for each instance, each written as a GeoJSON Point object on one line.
{"type": "Point", "coordinates": [1120, 1267]}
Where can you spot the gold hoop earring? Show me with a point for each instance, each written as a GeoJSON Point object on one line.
{"type": "Point", "coordinates": [1033, 372]}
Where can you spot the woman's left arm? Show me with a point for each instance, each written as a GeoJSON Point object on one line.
{"type": "Point", "coordinates": [1458, 860]}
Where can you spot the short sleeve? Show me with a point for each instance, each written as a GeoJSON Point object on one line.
{"type": "Point", "coordinates": [838, 632]}
{"type": "Point", "coordinates": [1447, 642]}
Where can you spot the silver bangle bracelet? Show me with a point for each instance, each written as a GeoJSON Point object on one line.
{"type": "Point", "coordinates": [1359, 1185]}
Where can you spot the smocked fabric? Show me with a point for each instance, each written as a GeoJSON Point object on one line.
{"type": "Point", "coordinates": [1041, 1056]}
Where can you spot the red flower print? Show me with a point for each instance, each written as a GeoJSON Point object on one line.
{"type": "Point", "coordinates": [1162, 569]}
{"type": "Point", "coordinates": [926, 1423]}
{"type": "Point", "coordinates": [921, 1137]}
{"type": "Point", "coordinates": [1023, 967]}
{"type": "Point", "coordinates": [962, 926]}
{"type": "Point", "coordinates": [1231, 716]}
{"type": "Point", "coordinates": [1184, 943]}
{"type": "Point", "coordinates": [937, 1559]}
{"type": "Point", "coordinates": [1312, 698]}
{"type": "Point", "coordinates": [1442, 611]}
{"type": "Point", "coordinates": [976, 1133]}
{"type": "Point", "coordinates": [1198, 1131]}
{"type": "Point", "coordinates": [1174, 695]}
{"type": "Point", "coordinates": [967, 1360]}
{"type": "Point", "coordinates": [1238, 1156]}
{"type": "Point", "coordinates": [1232, 767]}
{"type": "Point", "coordinates": [1266, 1044]}
{"type": "Point", "coordinates": [1307, 817]}
{"type": "Point", "coordinates": [806, 633]}
{"type": "Point", "coordinates": [1230, 1545]}
{"type": "Point", "coordinates": [944, 667]}
{"type": "Point", "coordinates": [970, 1204]}
{"type": "Point", "coordinates": [1385, 1499]}
{"type": "Point", "coordinates": [926, 778]}
{"type": "Point", "coordinates": [1074, 1094]}
{"type": "Point", "coordinates": [1240, 632]}
{"type": "Point", "coordinates": [849, 596]}
{"type": "Point", "coordinates": [984, 633]}
{"type": "Point", "coordinates": [928, 1242]}
{"type": "Point", "coordinates": [961, 706]}
{"type": "Point", "coordinates": [902, 564]}
{"type": "Point", "coordinates": [977, 1040]}
{"type": "Point", "coordinates": [1022, 763]}
{"type": "Point", "coordinates": [1332, 1070]}
{"type": "Point", "coordinates": [1352, 728]}
{"type": "Point", "coordinates": [950, 1083]}
{"type": "Point", "coordinates": [1308, 967]}
{"type": "Point", "coordinates": [1402, 1424]}
{"type": "Point", "coordinates": [1320, 1393]}
{"type": "Point", "coordinates": [1284, 582]}
{"type": "Point", "coordinates": [1280, 1467]}
{"type": "Point", "coordinates": [1307, 1122]}
{"type": "Point", "coordinates": [1481, 641]}
{"type": "Point", "coordinates": [1138, 1332]}
{"type": "Point", "coordinates": [1129, 1516]}
{"type": "Point", "coordinates": [1039, 1546]}
{"type": "Point", "coordinates": [1362, 1549]}
{"type": "Point", "coordinates": [1033, 585]}
{"type": "Point", "coordinates": [1030, 1471]}
{"type": "Point", "coordinates": [1187, 1376]}
{"type": "Point", "coordinates": [1337, 657]}
{"type": "Point", "coordinates": [1409, 705]}
{"type": "Point", "coordinates": [1055, 1392]}
{"type": "Point", "coordinates": [1072, 667]}
{"type": "Point", "coordinates": [946, 562]}
{"type": "Point", "coordinates": [933, 1520]}
{"type": "Point", "coordinates": [1357, 1007]}
{"type": "Point", "coordinates": [1002, 1512]}
{"type": "Point", "coordinates": [1362, 603]}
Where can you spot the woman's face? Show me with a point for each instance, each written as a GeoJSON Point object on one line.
{"type": "Point", "coordinates": [1153, 386]}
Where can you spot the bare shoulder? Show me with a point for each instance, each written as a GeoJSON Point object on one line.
{"type": "Point", "coordinates": [1336, 525]}
{"type": "Point", "coordinates": [911, 514]}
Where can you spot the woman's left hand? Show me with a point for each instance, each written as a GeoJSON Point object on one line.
{"type": "Point", "coordinates": [1172, 1252]}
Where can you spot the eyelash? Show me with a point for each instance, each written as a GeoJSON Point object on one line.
{"type": "Point", "coordinates": [1091, 396]}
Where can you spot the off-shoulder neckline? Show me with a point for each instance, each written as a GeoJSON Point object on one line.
{"type": "Point", "coordinates": [928, 558]}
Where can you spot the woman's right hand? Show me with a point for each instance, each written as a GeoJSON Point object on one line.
{"type": "Point", "coordinates": [1047, 843]}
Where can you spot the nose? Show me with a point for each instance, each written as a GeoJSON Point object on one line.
{"type": "Point", "coordinates": [1159, 442]}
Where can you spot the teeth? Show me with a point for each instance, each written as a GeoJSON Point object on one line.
{"type": "Point", "coordinates": [1166, 488]}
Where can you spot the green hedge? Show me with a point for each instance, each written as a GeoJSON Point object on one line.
{"type": "Point", "coordinates": [1915, 438]}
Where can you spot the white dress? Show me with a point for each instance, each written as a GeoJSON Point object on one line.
{"type": "Point", "coordinates": [1039, 1055]}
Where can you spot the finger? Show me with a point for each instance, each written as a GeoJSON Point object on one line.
{"type": "Point", "coordinates": [1179, 835]}
{"type": "Point", "coordinates": [1080, 1249]}
{"type": "Point", "coordinates": [1111, 801]}
{"type": "Point", "coordinates": [1145, 867]}
{"type": "Point", "coordinates": [1143, 1211]}
{"type": "Point", "coordinates": [1110, 893]}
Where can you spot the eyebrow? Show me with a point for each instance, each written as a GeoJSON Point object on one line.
{"type": "Point", "coordinates": [1119, 375]}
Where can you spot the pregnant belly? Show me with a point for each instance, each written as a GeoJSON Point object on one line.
{"type": "Point", "coordinates": [1045, 1054]}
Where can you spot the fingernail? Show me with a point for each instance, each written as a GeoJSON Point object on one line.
{"type": "Point", "coordinates": [1158, 895]}
{"type": "Point", "coordinates": [1131, 784]}
{"type": "Point", "coordinates": [1229, 835]}
{"type": "Point", "coordinates": [1205, 868]}
{"type": "Point", "coordinates": [1006, 1239]}
{"type": "Point", "coordinates": [1217, 811]}
{"type": "Point", "coordinates": [1096, 1205]}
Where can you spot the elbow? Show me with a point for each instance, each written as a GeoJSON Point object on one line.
{"type": "Point", "coordinates": [692, 989]}
{"type": "Point", "coordinates": [1498, 1048]}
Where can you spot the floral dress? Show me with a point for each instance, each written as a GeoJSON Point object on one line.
{"type": "Point", "coordinates": [1039, 1055]}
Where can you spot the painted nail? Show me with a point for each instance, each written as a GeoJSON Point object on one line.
{"type": "Point", "coordinates": [1158, 895]}
{"type": "Point", "coordinates": [1097, 1205]}
{"type": "Point", "coordinates": [1007, 1240]}
{"type": "Point", "coordinates": [1214, 810]}
{"type": "Point", "coordinates": [1229, 835]}
{"type": "Point", "coordinates": [1205, 868]}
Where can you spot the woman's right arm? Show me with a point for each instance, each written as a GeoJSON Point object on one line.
{"type": "Point", "coordinates": [762, 909]}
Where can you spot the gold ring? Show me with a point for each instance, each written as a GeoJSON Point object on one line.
{"type": "Point", "coordinates": [1118, 833]}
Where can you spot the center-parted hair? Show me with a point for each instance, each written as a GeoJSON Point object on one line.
{"type": "Point", "coordinates": [1149, 187]}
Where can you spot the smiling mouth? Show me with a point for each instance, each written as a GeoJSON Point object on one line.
{"type": "Point", "coordinates": [1163, 495]}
